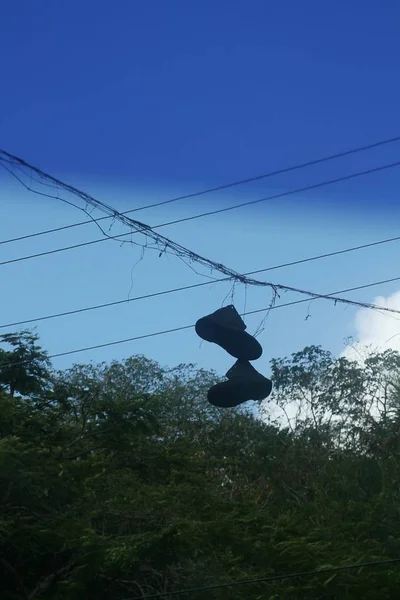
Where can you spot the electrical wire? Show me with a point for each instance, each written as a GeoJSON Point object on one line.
{"type": "Point", "coordinates": [205, 214]}
{"type": "Point", "coordinates": [332, 296]}
{"type": "Point", "coordinates": [270, 578]}
{"type": "Point", "coordinates": [170, 246]}
{"type": "Point", "coordinates": [198, 285]}
{"type": "Point", "coordinates": [214, 189]}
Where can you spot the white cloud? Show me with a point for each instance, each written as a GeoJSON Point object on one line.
{"type": "Point", "coordinates": [375, 329]}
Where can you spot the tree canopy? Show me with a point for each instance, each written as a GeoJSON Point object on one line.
{"type": "Point", "coordinates": [120, 480]}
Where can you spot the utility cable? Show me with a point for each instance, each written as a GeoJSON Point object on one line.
{"type": "Point", "coordinates": [332, 296]}
{"type": "Point", "coordinates": [205, 214]}
{"type": "Point", "coordinates": [198, 285]}
{"type": "Point", "coordinates": [165, 244]}
{"type": "Point", "coordinates": [270, 579]}
{"type": "Point", "coordinates": [5, 155]}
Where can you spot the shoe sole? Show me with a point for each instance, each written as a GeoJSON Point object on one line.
{"type": "Point", "coordinates": [229, 394]}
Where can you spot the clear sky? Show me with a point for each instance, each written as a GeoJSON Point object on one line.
{"type": "Point", "coordinates": [137, 102]}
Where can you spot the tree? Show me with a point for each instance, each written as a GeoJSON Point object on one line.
{"type": "Point", "coordinates": [120, 481]}
{"type": "Point", "coordinates": [25, 368]}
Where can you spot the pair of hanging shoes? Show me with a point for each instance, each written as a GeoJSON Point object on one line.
{"type": "Point", "coordinates": [226, 328]}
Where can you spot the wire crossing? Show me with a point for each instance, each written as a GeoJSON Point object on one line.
{"type": "Point", "coordinates": [147, 230]}
{"type": "Point", "coordinates": [5, 156]}
{"type": "Point", "coordinates": [333, 296]}
{"type": "Point", "coordinates": [199, 285]}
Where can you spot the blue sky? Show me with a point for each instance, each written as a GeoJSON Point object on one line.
{"type": "Point", "coordinates": [139, 102]}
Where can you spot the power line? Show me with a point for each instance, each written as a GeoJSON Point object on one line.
{"type": "Point", "coordinates": [205, 214]}
{"type": "Point", "coordinates": [270, 578]}
{"type": "Point", "coordinates": [209, 190]}
{"type": "Point", "coordinates": [198, 285]}
{"type": "Point", "coordinates": [166, 244]}
{"type": "Point", "coordinates": [332, 296]}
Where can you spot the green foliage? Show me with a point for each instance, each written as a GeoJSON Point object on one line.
{"type": "Point", "coordinates": [24, 369]}
{"type": "Point", "coordinates": [120, 480]}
